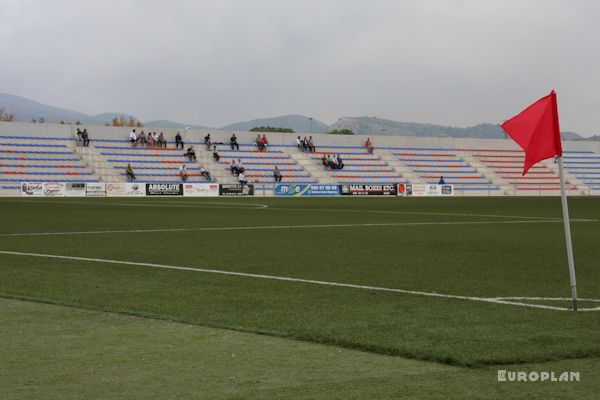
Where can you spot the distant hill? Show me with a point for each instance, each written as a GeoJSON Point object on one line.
{"type": "Point", "coordinates": [162, 123]}
{"type": "Point", "coordinates": [298, 123]}
{"type": "Point", "coordinates": [378, 126]}
{"type": "Point", "coordinates": [25, 110]}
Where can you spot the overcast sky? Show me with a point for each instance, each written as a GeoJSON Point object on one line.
{"type": "Point", "coordinates": [449, 62]}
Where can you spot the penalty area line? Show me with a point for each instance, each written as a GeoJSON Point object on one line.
{"type": "Point", "coordinates": [295, 280]}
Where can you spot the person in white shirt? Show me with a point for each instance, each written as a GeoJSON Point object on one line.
{"type": "Point", "coordinates": [234, 168]}
{"type": "Point", "coordinates": [183, 172]}
{"type": "Point", "coordinates": [205, 173]}
{"type": "Point", "coordinates": [242, 178]}
{"type": "Point", "coordinates": [133, 137]}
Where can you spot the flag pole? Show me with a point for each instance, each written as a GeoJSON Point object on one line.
{"type": "Point", "coordinates": [567, 224]}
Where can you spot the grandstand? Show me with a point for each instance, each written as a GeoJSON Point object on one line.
{"type": "Point", "coordinates": [50, 153]}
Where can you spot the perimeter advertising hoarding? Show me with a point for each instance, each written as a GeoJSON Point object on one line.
{"type": "Point", "coordinates": [95, 189]}
{"type": "Point", "coordinates": [54, 189]}
{"type": "Point", "coordinates": [369, 190]}
{"type": "Point", "coordinates": [75, 189]}
{"type": "Point", "coordinates": [236, 190]}
{"type": "Point", "coordinates": [32, 189]}
{"type": "Point", "coordinates": [126, 189]}
{"type": "Point", "coordinates": [429, 190]}
{"type": "Point", "coordinates": [164, 189]}
{"type": "Point", "coordinates": [201, 189]}
{"type": "Point", "coordinates": [306, 190]}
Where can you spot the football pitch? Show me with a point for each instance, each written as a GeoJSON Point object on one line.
{"type": "Point", "coordinates": [296, 298]}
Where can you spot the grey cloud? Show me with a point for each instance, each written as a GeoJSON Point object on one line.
{"type": "Point", "coordinates": [215, 62]}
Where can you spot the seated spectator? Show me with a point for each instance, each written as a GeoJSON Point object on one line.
{"type": "Point", "coordinates": [191, 154]}
{"type": "Point", "coordinates": [277, 174]}
{"type": "Point", "coordinates": [178, 141]}
{"type": "Point", "coordinates": [259, 143]}
{"type": "Point", "coordinates": [330, 163]}
{"type": "Point", "coordinates": [242, 178]}
{"type": "Point", "coordinates": [233, 142]}
{"type": "Point", "coordinates": [133, 138]}
{"type": "Point", "coordinates": [207, 141]}
{"type": "Point", "coordinates": [369, 146]}
{"type": "Point", "coordinates": [129, 173]}
{"type": "Point", "coordinates": [151, 140]}
{"type": "Point", "coordinates": [324, 160]}
{"type": "Point", "coordinates": [311, 145]}
{"type": "Point", "coordinates": [85, 137]}
{"type": "Point", "coordinates": [216, 155]}
{"type": "Point", "coordinates": [299, 143]}
{"type": "Point", "coordinates": [205, 173]}
{"type": "Point", "coordinates": [305, 144]}
{"type": "Point", "coordinates": [340, 162]}
{"type": "Point", "coordinates": [142, 138]}
{"type": "Point", "coordinates": [234, 169]}
{"type": "Point", "coordinates": [442, 181]}
{"type": "Point", "coordinates": [161, 140]}
{"type": "Point", "coordinates": [183, 172]}
{"type": "Point", "coordinates": [265, 141]}
{"type": "Point", "coordinates": [240, 166]}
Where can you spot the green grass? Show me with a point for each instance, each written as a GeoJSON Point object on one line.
{"type": "Point", "coordinates": [494, 259]}
{"type": "Point", "coordinates": [51, 352]}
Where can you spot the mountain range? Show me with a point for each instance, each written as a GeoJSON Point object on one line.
{"type": "Point", "coordinates": [26, 110]}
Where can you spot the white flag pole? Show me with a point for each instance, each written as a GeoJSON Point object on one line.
{"type": "Point", "coordinates": [567, 224]}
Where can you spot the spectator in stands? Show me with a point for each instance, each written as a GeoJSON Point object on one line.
{"type": "Point", "coordinates": [324, 160]}
{"type": "Point", "coordinates": [240, 166]}
{"type": "Point", "coordinates": [85, 137]}
{"type": "Point", "coordinates": [369, 146]}
{"type": "Point", "coordinates": [216, 155]}
{"type": "Point", "coordinates": [191, 154]}
{"type": "Point", "coordinates": [259, 143]}
{"type": "Point", "coordinates": [142, 138]}
{"type": "Point", "coordinates": [311, 145]}
{"type": "Point", "coordinates": [178, 141]}
{"type": "Point", "coordinates": [133, 138]}
{"type": "Point", "coordinates": [161, 140]}
{"type": "Point", "coordinates": [151, 141]}
{"type": "Point", "coordinates": [233, 142]}
{"type": "Point", "coordinates": [129, 173]}
{"type": "Point", "coordinates": [277, 174]}
{"type": "Point", "coordinates": [78, 137]}
{"type": "Point", "coordinates": [242, 178]}
{"type": "Point", "coordinates": [183, 172]}
{"type": "Point", "coordinates": [330, 163]}
{"type": "Point", "coordinates": [205, 173]}
{"type": "Point", "coordinates": [305, 144]}
{"type": "Point", "coordinates": [340, 162]}
{"type": "Point", "coordinates": [207, 142]}
{"type": "Point", "coordinates": [300, 143]}
{"type": "Point", "coordinates": [442, 181]}
{"type": "Point", "coordinates": [265, 141]}
{"type": "Point", "coordinates": [234, 168]}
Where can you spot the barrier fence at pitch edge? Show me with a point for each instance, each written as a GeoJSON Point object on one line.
{"type": "Point", "coordinates": [135, 189]}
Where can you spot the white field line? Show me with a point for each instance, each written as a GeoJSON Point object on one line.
{"type": "Point", "coordinates": [297, 280]}
{"type": "Point", "coordinates": [266, 227]}
{"type": "Point", "coordinates": [242, 206]}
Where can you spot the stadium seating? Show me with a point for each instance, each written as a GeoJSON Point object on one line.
{"type": "Point", "coordinates": [507, 165]}
{"type": "Point", "coordinates": [40, 159]}
{"type": "Point", "coordinates": [585, 166]}
{"type": "Point", "coordinates": [360, 167]}
{"type": "Point", "coordinates": [430, 164]}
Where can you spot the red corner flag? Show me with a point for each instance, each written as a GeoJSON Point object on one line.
{"type": "Point", "coordinates": [536, 130]}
